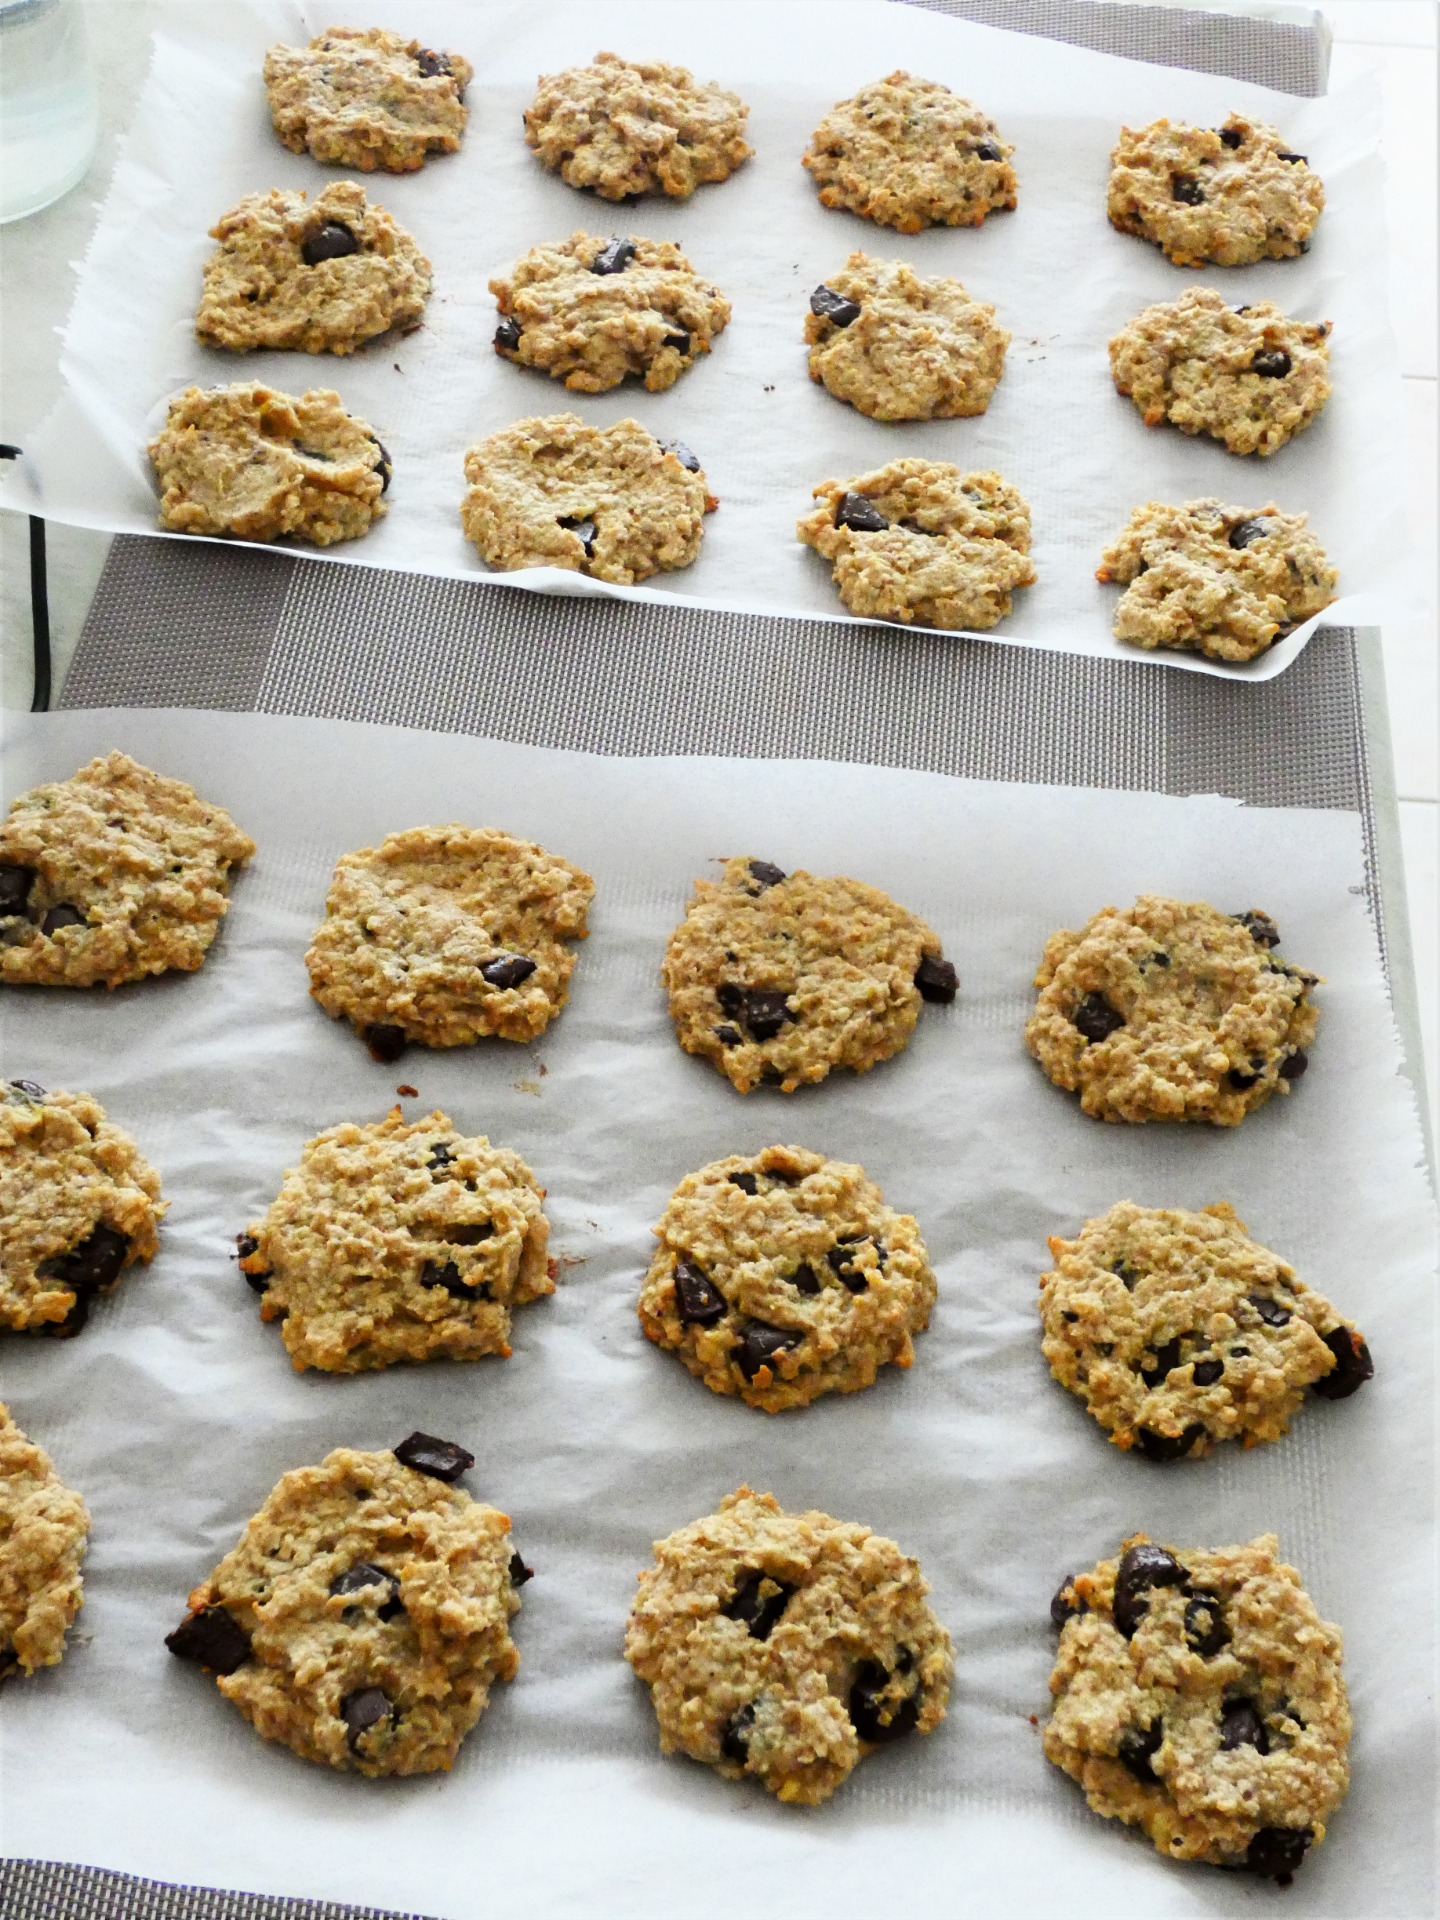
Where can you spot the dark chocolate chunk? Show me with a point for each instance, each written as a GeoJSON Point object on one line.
{"type": "Point", "coordinates": [677, 339]}
{"type": "Point", "coordinates": [1241, 1726]}
{"type": "Point", "coordinates": [747, 1182]}
{"type": "Point", "coordinates": [1123, 1270]}
{"type": "Point", "coordinates": [1230, 136]}
{"type": "Point", "coordinates": [1162, 1360]}
{"type": "Point", "coordinates": [1245, 533]}
{"type": "Point", "coordinates": [386, 1043]}
{"type": "Point", "coordinates": [699, 1301]}
{"type": "Point", "coordinates": [1240, 1080]}
{"type": "Point", "coordinates": [519, 1572]}
{"type": "Point", "coordinates": [841, 1262]}
{"type": "Point", "coordinates": [507, 970]}
{"type": "Point", "coordinates": [584, 529]}
{"type": "Point", "coordinates": [507, 334]}
{"type": "Point", "coordinates": [441, 1459]}
{"type": "Point", "coordinates": [688, 459]}
{"type": "Point", "coordinates": [365, 1574]}
{"type": "Point", "coordinates": [1270, 1311]}
{"type": "Point", "coordinates": [15, 885]}
{"type": "Point", "coordinates": [1096, 1018]}
{"type": "Point", "coordinates": [860, 514]}
{"type": "Point", "coordinates": [1273, 364]}
{"type": "Point", "coordinates": [333, 241]}
{"type": "Point", "coordinates": [805, 1279]}
{"type": "Point", "coordinates": [613, 257]}
{"type": "Point", "coordinates": [1294, 158]}
{"type": "Point", "coordinates": [1137, 1749]}
{"type": "Point", "coordinates": [937, 980]}
{"type": "Point", "coordinates": [383, 465]}
{"type": "Point", "coordinates": [1163, 1447]}
{"type": "Point", "coordinates": [1293, 1066]}
{"type": "Point", "coordinates": [62, 916]}
{"type": "Point", "coordinates": [92, 1264]}
{"type": "Point", "coordinates": [987, 150]}
{"type": "Point", "coordinates": [1187, 189]}
{"type": "Point", "coordinates": [765, 874]}
{"type": "Point", "coordinates": [835, 307]}
{"type": "Point", "coordinates": [729, 1036]}
{"type": "Point", "coordinates": [1140, 1569]}
{"type": "Point", "coordinates": [1207, 1372]}
{"type": "Point", "coordinates": [32, 1087]}
{"type": "Point", "coordinates": [1278, 1851]}
{"type": "Point", "coordinates": [1066, 1604]}
{"type": "Point", "coordinates": [867, 1704]}
{"type": "Point", "coordinates": [1353, 1365]}
{"type": "Point", "coordinates": [367, 1707]}
{"type": "Point", "coordinates": [757, 1609]}
{"type": "Point", "coordinates": [1260, 927]}
{"type": "Point", "coordinates": [735, 1741]}
{"type": "Point", "coordinates": [1205, 1629]}
{"type": "Point", "coordinates": [432, 63]}
{"type": "Point", "coordinates": [760, 1343]}
{"type": "Point", "coordinates": [471, 1234]}
{"type": "Point", "coordinates": [440, 1155]}
{"type": "Point", "coordinates": [763, 1010]}
{"type": "Point", "coordinates": [213, 1638]}
{"type": "Point", "coordinates": [434, 1274]}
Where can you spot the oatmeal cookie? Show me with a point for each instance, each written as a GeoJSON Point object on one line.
{"type": "Point", "coordinates": [367, 99]}
{"type": "Point", "coordinates": [1198, 1696]}
{"type": "Point", "coordinates": [901, 348]}
{"type": "Point", "coordinates": [43, 1529]}
{"type": "Point", "coordinates": [1229, 195]}
{"type": "Point", "coordinates": [786, 1646]}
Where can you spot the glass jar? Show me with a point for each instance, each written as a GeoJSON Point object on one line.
{"type": "Point", "coordinates": [48, 114]}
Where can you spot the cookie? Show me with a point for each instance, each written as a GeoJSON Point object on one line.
{"type": "Point", "coordinates": [908, 153]}
{"type": "Point", "coordinates": [43, 1529]}
{"type": "Point", "coordinates": [1229, 195]}
{"type": "Point", "coordinates": [320, 276]}
{"type": "Point", "coordinates": [251, 463]}
{"type": "Point", "coordinates": [897, 347]}
{"type": "Point", "coordinates": [78, 1205]}
{"type": "Point", "coordinates": [786, 1647]}
{"type": "Point", "coordinates": [1227, 582]}
{"type": "Point", "coordinates": [111, 875]}
{"type": "Point", "coordinates": [1178, 1331]}
{"type": "Point", "coordinates": [781, 977]}
{"type": "Point", "coordinates": [364, 1613]}
{"type": "Point", "coordinates": [624, 127]}
{"type": "Point", "coordinates": [1199, 1697]}
{"type": "Point", "coordinates": [367, 99]}
{"type": "Point", "coordinates": [1171, 1011]}
{"type": "Point", "coordinates": [443, 935]}
{"type": "Point", "coordinates": [593, 312]}
{"type": "Point", "coordinates": [784, 1275]}
{"type": "Point", "coordinates": [613, 502]}
{"type": "Point", "coordinates": [922, 543]}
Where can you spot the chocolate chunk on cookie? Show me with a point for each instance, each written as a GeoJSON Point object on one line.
{"type": "Point", "coordinates": [43, 1529]}
{"type": "Point", "coordinates": [1229, 195]}
{"type": "Point", "coordinates": [367, 99]}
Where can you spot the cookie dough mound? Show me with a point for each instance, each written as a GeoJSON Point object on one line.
{"type": "Point", "coordinates": [1227, 582]}
{"type": "Point", "coordinates": [920, 542]}
{"type": "Point", "coordinates": [1198, 1696]}
{"type": "Point", "coordinates": [367, 99]}
{"type": "Point", "coordinates": [901, 348]}
{"type": "Point", "coordinates": [43, 1528]}
{"type": "Point", "coordinates": [1179, 1331]}
{"type": "Point", "coordinates": [77, 1206]}
{"type": "Point", "coordinates": [908, 153]}
{"type": "Point", "coordinates": [613, 502]}
{"type": "Point", "coordinates": [624, 127]}
{"type": "Point", "coordinates": [593, 312]}
{"type": "Point", "coordinates": [782, 977]}
{"type": "Point", "coordinates": [364, 1615]}
{"type": "Point", "coordinates": [1229, 195]}
{"type": "Point", "coordinates": [1171, 1011]}
{"type": "Point", "coordinates": [250, 463]}
{"type": "Point", "coordinates": [111, 875]}
{"type": "Point", "coordinates": [319, 276]}
{"type": "Point", "coordinates": [443, 935]}
{"type": "Point", "coordinates": [783, 1276]}
{"type": "Point", "coordinates": [786, 1646]}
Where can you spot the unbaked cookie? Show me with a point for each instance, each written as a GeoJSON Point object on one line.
{"type": "Point", "coordinates": [1227, 582]}
{"type": "Point", "coordinates": [43, 1528]}
{"type": "Point", "coordinates": [250, 463]}
{"type": "Point", "coordinates": [111, 875]}
{"type": "Point", "coordinates": [901, 348]}
{"type": "Point", "coordinates": [908, 153]}
{"type": "Point", "coordinates": [786, 1646]}
{"type": "Point", "coordinates": [624, 127]}
{"type": "Point", "coordinates": [442, 935]}
{"type": "Point", "coordinates": [77, 1206]}
{"type": "Point", "coordinates": [592, 312]}
{"type": "Point", "coordinates": [1231, 194]}
{"type": "Point", "coordinates": [1179, 1331]}
{"type": "Point", "coordinates": [367, 99]}
{"type": "Point", "coordinates": [613, 502]}
{"type": "Point", "coordinates": [1171, 1011]}
{"type": "Point", "coordinates": [364, 1614]}
{"type": "Point", "coordinates": [783, 1275]}
{"type": "Point", "coordinates": [1198, 1696]}
{"type": "Point", "coordinates": [920, 542]}
{"type": "Point", "coordinates": [781, 977]}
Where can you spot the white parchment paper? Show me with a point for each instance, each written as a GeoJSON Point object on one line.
{"type": "Point", "coordinates": [1062, 280]}
{"type": "Point", "coordinates": [177, 1410]}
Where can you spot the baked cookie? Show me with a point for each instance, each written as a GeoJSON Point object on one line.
{"type": "Point", "coordinates": [781, 977]}
{"type": "Point", "coordinates": [367, 99]}
{"type": "Point", "coordinates": [786, 1646]}
{"type": "Point", "coordinates": [1228, 195]}
{"type": "Point", "coordinates": [1198, 1696]}
{"type": "Point", "coordinates": [1227, 582]}
{"type": "Point", "coordinates": [43, 1529]}
{"type": "Point", "coordinates": [364, 1613]}
{"type": "Point", "coordinates": [1247, 376]}
{"type": "Point", "coordinates": [613, 502]}
{"type": "Point", "coordinates": [319, 276]}
{"type": "Point", "coordinates": [908, 153]}
{"type": "Point", "coordinates": [111, 875]}
{"type": "Point", "coordinates": [901, 348]}
{"type": "Point", "coordinates": [1179, 1331]}
{"type": "Point", "coordinates": [250, 463]}
{"type": "Point", "coordinates": [920, 542]}
{"type": "Point", "coordinates": [783, 1275]}
{"type": "Point", "coordinates": [1171, 1011]}
{"type": "Point", "coordinates": [625, 127]}
{"type": "Point", "coordinates": [592, 312]}
{"type": "Point", "coordinates": [77, 1206]}
{"type": "Point", "coordinates": [442, 935]}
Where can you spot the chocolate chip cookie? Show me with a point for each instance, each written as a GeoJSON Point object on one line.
{"type": "Point", "coordinates": [593, 312]}
{"type": "Point", "coordinates": [111, 875]}
{"type": "Point", "coordinates": [1198, 1696]}
{"type": "Point", "coordinates": [1229, 195]}
{"type": "Point", "coordinates": [786, 1647]}
{"type": "Point", "coordinates": [624, 127]}
{"type": "Point", "coordinates": [364, 1614]}
{"type": "Point", "coordinates": [781, 977]}
{"type": "Point", "coordinates": [367, 99]}
{"type": "Point", "coordinates": [43, 1529]}
{"type": "Point", "coordinates": [78, 1205]}
{"type": "Point", "coordinates": [1171, 1011]}
{"type": "Point", "coordinates": [922, 543]}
